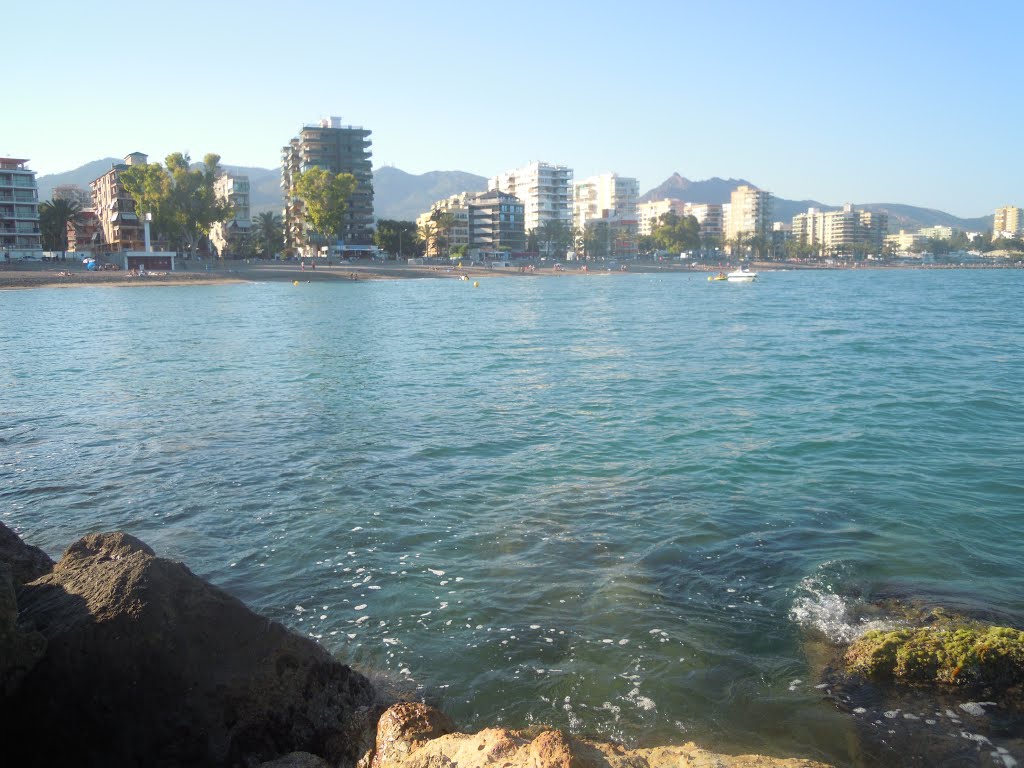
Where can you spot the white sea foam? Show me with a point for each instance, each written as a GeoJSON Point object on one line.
{"type": "Point", "coordinates": [976, 708]}
{"type": "Point", "coordinates": [819, 608]}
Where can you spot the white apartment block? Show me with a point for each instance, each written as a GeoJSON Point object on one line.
{"type": "Point", "coordinates": [749, 213]}
{"type": "Point", "coordinates": [649, 214]}
{"type": "Point", "coordinates": [711, 217]}
{"type": "Point", "coordinates": [232, 236]}
{"type": "Point", "coordinates": [937, 232]}
{"type": "Point", "coordinates": [604, 196]}
{"type": "Point", "coordinates": [837, 229]}
{"type": "Point", "coordinates": [545, 191]}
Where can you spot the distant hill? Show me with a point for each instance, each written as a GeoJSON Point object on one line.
{"type": "Point", "coordinates": [677, 187]}
{"type": "Point", "coordinates": [80, 176]}
{"type": "Point", "coordinates": [717, 190]}
{"type": "Point", "coordinates": [404, 196]}
{"type": "Point", "coordinates": [910, 217]}
{"type": "Point", "coordinates": [401, 195]}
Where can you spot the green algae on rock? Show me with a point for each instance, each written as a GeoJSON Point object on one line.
{"type": "Point", "coordinates": [951, 654]}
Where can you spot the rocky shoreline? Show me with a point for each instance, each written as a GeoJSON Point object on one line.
{"type": "Point", "coordinates": [115, 656]}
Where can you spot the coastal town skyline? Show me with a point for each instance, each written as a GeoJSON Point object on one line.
{"type": "Point", "coordinates": [865, 107]}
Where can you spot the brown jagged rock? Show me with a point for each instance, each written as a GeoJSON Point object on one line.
{"type": "Point", "coordinates": [27, 563]}
{"type": "Point", "coordinates": [147, 664]}
{"type": "Point", "coordinates": [405, 727]}
{"type": "Point", "coordinates": [537, 748]}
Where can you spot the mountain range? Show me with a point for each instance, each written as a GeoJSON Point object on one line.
{"type": "Point", "coordinates": [404, 196]}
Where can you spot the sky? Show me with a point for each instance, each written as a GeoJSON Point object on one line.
{"type": "Point", "coordinates": [868, 102]}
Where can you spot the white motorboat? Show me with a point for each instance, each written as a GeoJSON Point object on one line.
{"type": "Point", "coordinates": [741, 275]}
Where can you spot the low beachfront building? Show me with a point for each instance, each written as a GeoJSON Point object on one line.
{"type": "Point", "coordinates": [19, 210]}
{"type": "Point", "coordinates": [233, 237]}
{"type": "Point", "coordinates": [486, 223]}
{"type": "Point", "coordinates": [497, 222]}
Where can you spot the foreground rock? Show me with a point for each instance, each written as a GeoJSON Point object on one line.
{"type": "Point", "coordinates": [413, 736]}
{"type": "Point", "coordinates": [934, 688]}
{"type": "Point", "coordinates": [146, 664]}
{"type": "Point", "coordinates": [960, 653]}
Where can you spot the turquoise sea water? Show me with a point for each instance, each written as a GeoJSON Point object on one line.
{"type": "Point", "coordinates": [616, 504]}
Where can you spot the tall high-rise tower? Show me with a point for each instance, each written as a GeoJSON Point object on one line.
{"type": "Point", "coordinates": [339, 149]}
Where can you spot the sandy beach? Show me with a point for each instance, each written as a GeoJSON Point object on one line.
{"type": "Point", "coordinates": [72, 274]}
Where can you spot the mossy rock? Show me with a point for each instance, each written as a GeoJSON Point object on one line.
{"type": "Point", "coordinates": [949, 653]}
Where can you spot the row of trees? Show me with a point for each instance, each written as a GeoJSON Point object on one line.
{"type": "Point", "coordinates": [184, 207]}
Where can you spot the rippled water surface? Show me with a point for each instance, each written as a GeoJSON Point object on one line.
{"type": "Point", "coordinates": [616, 504]}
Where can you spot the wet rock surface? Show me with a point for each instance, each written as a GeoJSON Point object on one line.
{"type": "Point", "coordinates": [933, 689]}
{"type": "Point", "coordinates": [540, 747]}
{"type": "Point", "coordinates": [145, 663]}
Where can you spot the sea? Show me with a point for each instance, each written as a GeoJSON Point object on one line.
{"type": "Point", "coordinates": [635, 506]}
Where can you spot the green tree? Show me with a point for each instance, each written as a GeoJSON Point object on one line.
{"type": "Point", "coordinates": [395, 237]}
{"type": "Point", "coordinates": [180, 198]}
{"type": "Point", "coordinates": [426, 235]}
{"type": "Point", "coordinates": [676, 233]}
{"type": "Point", "coordinates": [443, 223]}
{"type": "Point", "coordinates": [324, 197]}
{"type": "Point", "coordinates": [269, 232]}
{"type": "Point", "coordinates": [54, 218]}
{"type": "Point", "coordinates": [554, 237]}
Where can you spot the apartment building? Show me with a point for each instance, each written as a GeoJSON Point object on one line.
{"type": "Point", "coordinates": [602, 196]}
{"type": "Point", "coordinates": [937, 232]}
{"type": "Point", "coordinates": [119, 225]}
{"type": "Point", "coordinates": [905, 242]}
{"type": "Point", "coordinates": [838, 231]}
{"type": "Point", "coordinates": [339, 149]}
{"type": "Point", "coordinates": [233, 238]}
{"type": "Point", "coordinates": [450, 215]}
{"type": "Point", "coordinates": [19, 210]}
{"type": "Point", "coordinates": [648, 215]}
{"type": "Point", "coordinates": [1008, 222]}
{"type": "Point", "coordinates": [749, 212]}
{"type": "Point", "coordinates": [711, 217]}
{"type": "Point", "coordinates": [497, 221]}
{"type": "Point", "coordinates": [544, 190]}
{"type": "Point", "coordinates": [85, 233]}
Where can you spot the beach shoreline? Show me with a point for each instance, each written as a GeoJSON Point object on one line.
{"type": "Point", "coordinates": [24, 275]}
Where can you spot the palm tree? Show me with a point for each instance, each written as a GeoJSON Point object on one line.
{"type": "Point", "coordinates": [427, 234]}
{"type": "Point", "coordinates": [269, 232]}
{"type": "Point", "coordinates": [443, 223]}
{"type": "Point", "coordinates": [54, 218]}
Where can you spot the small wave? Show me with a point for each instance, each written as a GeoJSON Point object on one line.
{"type": "Point", "coordinates": [817, 607]}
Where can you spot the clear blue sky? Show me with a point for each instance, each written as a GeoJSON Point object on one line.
{"type": "Point", "coordinates": [911, 102]}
